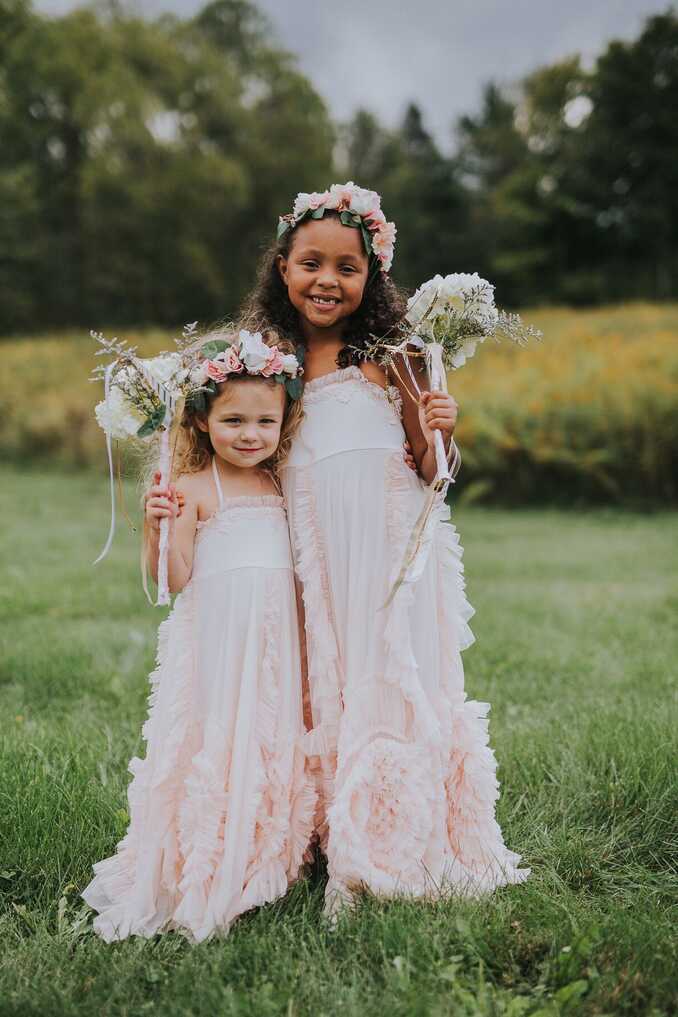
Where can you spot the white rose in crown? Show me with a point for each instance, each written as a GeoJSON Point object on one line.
{"type": "Point", "coordinates": [364, 201]}
{"type": "Point", "coordinates": [290, 365]}
{"type": "Point", "coordinates": [253, 351]}
{"type": "Point", "coordinates": [305, 202]}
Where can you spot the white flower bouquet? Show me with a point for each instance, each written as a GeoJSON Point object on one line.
{"type": "Point", "coordinates": [447, 318]}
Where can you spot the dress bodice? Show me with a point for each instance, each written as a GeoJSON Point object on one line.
{"type": "Point", "coordinates": [344, 411]}
{"type": "Point", "coordinates": [246, 531]}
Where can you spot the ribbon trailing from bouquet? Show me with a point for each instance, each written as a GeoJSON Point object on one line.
{"type": "Point", "coordinates": [420, 540]}
{"type": "Point", "coordinates": [170, 402]}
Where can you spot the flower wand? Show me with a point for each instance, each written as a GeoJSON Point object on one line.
{"type": "Point", "coordinates": [140, 398]}
{"type": "Point", "coordinates": [446, 319]}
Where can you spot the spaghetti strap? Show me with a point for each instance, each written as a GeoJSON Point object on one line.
{"type": "Point", "coordinates": [217, 482]}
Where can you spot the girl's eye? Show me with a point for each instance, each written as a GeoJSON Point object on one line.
{"type": "Point", "coordinates": [310, 264]}
{"type": "Point", "coordinates": [231, 420]}
{"type": "Point", "coordinates": [347, 268]}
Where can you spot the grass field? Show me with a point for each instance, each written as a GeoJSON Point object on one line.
{"type": "Point", "coordinates": [576, 650]}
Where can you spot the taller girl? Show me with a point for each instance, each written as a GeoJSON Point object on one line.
{"type": "Point", "coordinates": [405, 774]}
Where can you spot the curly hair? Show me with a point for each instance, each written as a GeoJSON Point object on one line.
{"type": "Point", "coordinates": [269, 306]}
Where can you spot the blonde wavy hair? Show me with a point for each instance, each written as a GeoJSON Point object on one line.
{"type": "Point", "coordinates": [192, 448]}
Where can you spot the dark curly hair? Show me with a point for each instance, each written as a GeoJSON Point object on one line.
{"type": "Point", "coordinates": [269, 306]}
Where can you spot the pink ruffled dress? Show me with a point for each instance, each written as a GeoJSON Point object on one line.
{"type": "Point", "coordinates": [221, 808]}
{"type": "Point", "coordinates": [406, 778]}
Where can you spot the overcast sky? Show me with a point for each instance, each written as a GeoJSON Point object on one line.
{"type": "Point", "coordinates": [380, 54]}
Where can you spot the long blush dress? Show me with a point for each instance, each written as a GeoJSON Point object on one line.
{"type": "Point", "coordinates": [221, 808]}
{"type": "Point", "coordinates": [405, 775]}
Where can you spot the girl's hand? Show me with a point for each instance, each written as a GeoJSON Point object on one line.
{"type": "Point", "coordinates": [408, 457]}
{"type": "Point", "coordinates": [161, 503]}
{"type": "Point", "coordinates": [157, 491]}
{"type": "Point", "coordinates": [437, 412]}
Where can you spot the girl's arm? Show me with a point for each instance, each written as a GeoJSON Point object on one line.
{"type": "Point", "coordinates": [422, 415]}
{"type": "Point", "coordinates": [162, 503]}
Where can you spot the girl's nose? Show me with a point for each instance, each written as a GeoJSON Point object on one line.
{"type": "Point", "coordinates": [327, 278]}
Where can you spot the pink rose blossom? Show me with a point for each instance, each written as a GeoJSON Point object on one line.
{"type": "Point", "coordinates": [386, 233]}
{"type": "Point", "coordinates": [274, 364]}
{"type": "Point", "coordinates": [318, 198]}
{"type": "Point", "coordinates": [373, 220]}
{"type": "Point", "coordinates": [233, 364]}
{"type": "Point", "coordinates": [216, 371]}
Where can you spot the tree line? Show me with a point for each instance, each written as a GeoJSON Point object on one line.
{"type": "Point", "coordinates": [143, 164]}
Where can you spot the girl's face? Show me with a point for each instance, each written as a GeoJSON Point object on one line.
{"type": "Point", "coordinates": [244, 421]}
{"type": "Point", "coordinates": [325, 271]}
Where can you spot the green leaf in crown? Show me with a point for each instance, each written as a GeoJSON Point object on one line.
{"type": "Point", "coordinates": [294, 387]}
{"type": "Point", "coordinates": [210, 350]}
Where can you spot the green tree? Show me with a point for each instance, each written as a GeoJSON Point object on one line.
{"type": "Point", "coordinates": [147, 162]}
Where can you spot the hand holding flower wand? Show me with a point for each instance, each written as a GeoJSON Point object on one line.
{"type": "Point", "coordinates": [446, 320]}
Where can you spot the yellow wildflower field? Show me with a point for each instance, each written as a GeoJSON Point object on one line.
{"type": "Point", "coordinates": [588, 414]}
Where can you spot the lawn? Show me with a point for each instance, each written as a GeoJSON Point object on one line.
{"type": "Point", "coordinates": [576, 650]}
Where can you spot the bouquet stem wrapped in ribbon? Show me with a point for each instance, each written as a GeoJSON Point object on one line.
{"type": "Point", "coordinates": [447, 318]}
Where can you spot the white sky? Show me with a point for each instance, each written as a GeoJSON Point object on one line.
{"type": "Point", "coordinates": [381, 54]}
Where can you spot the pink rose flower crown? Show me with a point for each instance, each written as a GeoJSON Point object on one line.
{"type": "Point", "coordinates": [247, 354]}
{"type": "Point", "coordinates": [358, 208]}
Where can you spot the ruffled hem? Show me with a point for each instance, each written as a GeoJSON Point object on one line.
{"type": "Point", "coordinates": [162, 872]}
{"type": "Point", "coordinates": [409, 801]}
{"type": "Point", "coordinates": [319, 744]}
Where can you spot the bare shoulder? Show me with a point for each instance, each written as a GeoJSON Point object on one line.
{"type": "Point", "coordinates": [374, 372]}
{"type": "Point", "coordinates": [198, 491]}
{"type": "Point", "coordinates": [191, 484]}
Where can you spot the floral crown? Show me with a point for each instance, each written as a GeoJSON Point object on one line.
{"type": "Point", "coordinates": [246, 354]}
{"type": "Point", "coordinates": [357, 207]}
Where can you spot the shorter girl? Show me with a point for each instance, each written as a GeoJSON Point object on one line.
{"type": "Point", "coordinates": [220, 809]}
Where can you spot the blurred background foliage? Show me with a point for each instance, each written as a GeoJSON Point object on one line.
{"type": "Point", "coordinates": [144, 163]}
{"type": "Point", "coordinates": [587, 416]}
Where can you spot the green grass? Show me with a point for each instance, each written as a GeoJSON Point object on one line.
{"type": "Point", "coordinates": [576, 649]}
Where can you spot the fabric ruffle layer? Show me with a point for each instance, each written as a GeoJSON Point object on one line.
{"type": "Point", "coordinates": [408, 785]}
{"type": "Point", "coordinates": [162, 873]}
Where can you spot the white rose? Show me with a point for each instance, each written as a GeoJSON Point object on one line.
{"type": "Point", "coordinates": [420, 302]}
{"type": "Point", "coordinates": [336, 192]}
{"type": "Point", "coordinates": [253, 351]}
{"type": "Point", "coordinates": [118, 416]}
{"type": "Point", "coordinates": [466, 351]}
{"type": "Point", "coordinates": [482, 305]}
{"type": "Point", "coordinates": [290, 365]}
{"type": "Point", "coordinates": [199, 374]}
{"type": "Point", "coordinates": [163, 368]}
{"type": "Point", "coordinates": [364, 201]}
{"type": "Point", "coordinates": [301, 204]}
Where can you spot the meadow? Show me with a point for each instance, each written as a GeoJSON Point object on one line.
{"type": "Point", "coordinates": [587, 416]}
{"type": "Point", "coordinates": [576, 650]}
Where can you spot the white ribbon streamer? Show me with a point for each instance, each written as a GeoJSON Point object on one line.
{"type": "Point", "coordinates": [163, 547]}
{"type": "Point", "coordinates": [419, 544]}
{"type": "Point", "coordinates": [111, 531]}
{"type": "Point", "coordinates": [438, 384]}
